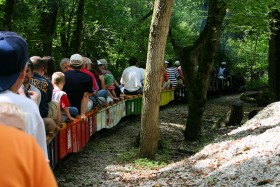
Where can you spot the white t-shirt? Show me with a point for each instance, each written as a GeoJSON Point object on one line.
{"type": "Point", "coordinates": [34, 123]}
{"type": "Point", "coordinates": [131, 78]}
{"type": "Point", "coordinates": [33, 88]}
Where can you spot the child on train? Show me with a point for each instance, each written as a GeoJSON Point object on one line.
{"type": "Point", "coordinates": [68, 112]}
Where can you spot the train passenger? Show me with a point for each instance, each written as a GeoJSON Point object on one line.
{"type": "Point", "coordinates": [223, 71]}
{"type": "Point", "coordinates": [50, 68]}
{"type": "Point", "coordinates": [103, 66]}
{"type": "Point", "coordinates": [65, 65]}
{"type": "Point", "coordinates": [47, 107]}
{"type": "Point", "coordinates": [22, 161]}
{"type": "Point", "coordinates": [180, 81]}
{"type": "Point", "coordinates": [27, 83]}
{"type": "Point", "coordinates": [68, 112]}
{"type": "Point", "coordinates": [13, 59]}
{"type": "Point", "coordinates": [78, 86]}
{"type": "Point", "coordinates": [166, 83]}
{"type": "Point", "coordinates": [89, 64]}
{"type": "Point", "coordinates": [131, 78]}
{"type": "Point", "coordinates": [12, 115]}
{"type": "Point", "coordinates": [142, 67]}
{"type": "Point", "coordinates": [224, 77]}
{"type": "Point", "coordinates": [99, 95]}
{"type": "Point", "coordinates": [109, 82]}
{"type": "Point", "coordinates": [173, 74]}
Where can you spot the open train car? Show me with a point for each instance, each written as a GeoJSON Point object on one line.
{"type": "Point", "coordinates": [73, 137]}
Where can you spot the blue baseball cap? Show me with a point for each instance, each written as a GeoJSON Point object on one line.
{"type": "Point", "coordinates": [13, 58]}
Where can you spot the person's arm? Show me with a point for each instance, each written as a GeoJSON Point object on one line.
{"type": "Point", "coordinates": [116, 83]}
{"type": "Point", "coordinates": [102, 80]}
{"type": "Point", "coordinates": [66, 110]}
{"type": "Point", "coordinates": [84, 105]}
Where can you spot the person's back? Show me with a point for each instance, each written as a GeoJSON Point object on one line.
{"type": "Point", "coordinates": [42, 83]}
{"type": "Point", "coordinates": [13, 59]}
{"type": "Point", "coordinates": [131, 78]}
{"type": "Point", "coordinates": [77, 83]}
{"type": "Point", "coordinates": [22, 161]}
{"type": "Point", "coordinates": [172, 73]}
{"type": "Point", "coordinates": [223, 71]}
{"type": "Point", "coordinates": [58, 81]}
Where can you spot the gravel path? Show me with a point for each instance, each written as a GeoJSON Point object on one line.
{"type": "Point", "coordinates": [244, 156]}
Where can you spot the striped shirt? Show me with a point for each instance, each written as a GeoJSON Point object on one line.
{"type": "Point", "coordinates": [172, 75]}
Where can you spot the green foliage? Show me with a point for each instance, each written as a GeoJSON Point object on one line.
{"type": "Point", "coordinates": [260, 83]}
{"type": "Point", "coordinates": [148, 164]}
{"type": "Point", "coordinates": [128, 156]}
{"type": "Point", "coordinates": [116, 30]}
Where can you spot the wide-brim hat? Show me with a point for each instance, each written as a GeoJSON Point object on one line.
{"type": "Point", "coordinates": [13, 58]}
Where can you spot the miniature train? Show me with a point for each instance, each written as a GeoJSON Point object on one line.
{"type": "Point", "coordinates": [73, 137]}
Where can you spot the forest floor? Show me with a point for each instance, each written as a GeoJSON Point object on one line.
{"type": "Point", "coordinates": [110, 157]}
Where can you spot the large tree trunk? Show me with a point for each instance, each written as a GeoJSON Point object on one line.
{"type": "Point", "coordinates": [7, 19]}
{"type": "Point", "coordinates": [47, 26]}
{"type": "Point", "coordinates": [274, 57]}
{"type": "Point", "coordinates": [77, 34]}
{"type": "Point", "coordinates": [149, 133]}
{"type": "Point", "coordinates": [197, 62]}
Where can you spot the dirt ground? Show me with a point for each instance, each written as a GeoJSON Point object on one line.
{"type": "Point", "coordinates": [110, 158]}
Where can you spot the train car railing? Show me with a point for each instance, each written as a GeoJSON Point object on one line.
{"type": "Point", "coordinates": [73, 137]}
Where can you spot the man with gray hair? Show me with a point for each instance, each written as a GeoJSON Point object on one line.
{"type": "Point", "coordinates": [65, 65]}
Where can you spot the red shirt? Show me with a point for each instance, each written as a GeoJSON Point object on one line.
{"type": "Point", "coordinates": [94, 83]}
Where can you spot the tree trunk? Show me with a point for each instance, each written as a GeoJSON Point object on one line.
{"type": "Point", "coordinates": [197, 62]}
{"type": "Point", "coordinates": [9, 10]}
{"type": "Point", "coordinates": [149, 132]}
{"type": "Point", "coordinates": [274, 57]}
{"type": "Point", "coordinates": [77, 34]}
{"type": "Point", "coordinates": [47, 26]}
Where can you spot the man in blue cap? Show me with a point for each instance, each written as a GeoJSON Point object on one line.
{"type": "Point", "coordinates": [13, 59]}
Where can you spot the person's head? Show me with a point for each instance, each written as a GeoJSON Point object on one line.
{"type": "Point", "coordinates": [50, 68]}
{"type": "Point", "coordinates": [142, 64]}
{"type": "Point", "coordinates": [13, 59]}
{"type": "Point", "coordinates": [28, 72]}
{"type": "Point", "coordinates": [58, 78]}
{"type": "Point", "coordinates": [102, 63]}
{"type": "Point", "coordinates": [39, 65]}
{"type": "Point", "coordinates": [223, 64]}
{"type": "Point", "coordinates": [132, 61]}
{"type": "Point", "coordinates": [89, 64]}
{"type": "Point", "coordinates": [95, 67]}
{"type": "Point", "coordinates": [177, 63]}
{"type": "Point", "coordinates": [12, 115]}
{"type": "Point", "coordinates": [65, 65]}
{"type": "Point", "coordinates": [169, 63]}
{"type": "Point", "coordinates": [76, 61]}
{"type": "Point", "coordinates": [166, 63]}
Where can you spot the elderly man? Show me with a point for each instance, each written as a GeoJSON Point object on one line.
{"type": "Point", "coordinates": [13, 59]}
{"type": "Point", "coordinates": [65, 65]}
